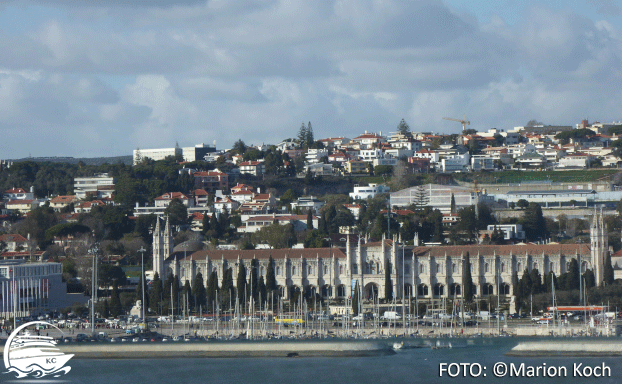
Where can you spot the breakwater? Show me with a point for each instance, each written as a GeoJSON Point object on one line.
{"type": "Point", "coordinates": [571, 347]}
{"type": "Point", "coordinates": [237, 349]}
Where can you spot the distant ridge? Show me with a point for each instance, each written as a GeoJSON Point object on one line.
{"type": "Point", "coordinates": [127, 160]}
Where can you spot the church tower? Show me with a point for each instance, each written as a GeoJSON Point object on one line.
{"type": "Point", "coordinates": [599, 245]}
{"type": "Point", "coordinates": [158, 259]}
{"type": "Point", "coordinates": [162, 247]}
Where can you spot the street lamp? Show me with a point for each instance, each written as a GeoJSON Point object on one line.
{"type": "Point", "coordinates": [142, 278]}
{"type": "Point", "coordinates": [93, 251]}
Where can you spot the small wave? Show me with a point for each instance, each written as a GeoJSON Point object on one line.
{"type": "Point", "coordinates": [37, 371]}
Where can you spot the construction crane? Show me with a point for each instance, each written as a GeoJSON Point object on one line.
{"type": "Point", "coordinates": [464, 121]}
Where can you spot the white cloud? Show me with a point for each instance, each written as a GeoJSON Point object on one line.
{"type": "Point", "coordinates": [197, 71]}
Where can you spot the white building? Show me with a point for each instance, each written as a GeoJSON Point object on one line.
{"type": "Point", "coordinates": [436, 196]}
{"type": "Point", "coordinates": [510, 231]}
{"type": "Point", "coordinates": [457, 163]}
{"type": "Point", "coordinates": [368, 191]}
{"type": "Point", "coordinates": [33, 288]}
{"type": "Point", "coordinates": [198, 152]}
{"type": "Point", "coordinates": [99, 185]}
{"type": "Point", "coordinates": [315, 156]}
{"type": "Point", "coordinates": [155, 154]}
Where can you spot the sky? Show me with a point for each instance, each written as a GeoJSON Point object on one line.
{"type": "Point", "coordinates": [90, 78]}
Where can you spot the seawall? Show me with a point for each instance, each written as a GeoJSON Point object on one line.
{"type": "Point", "coordinates": [220, 349]}
{"type": "Point", "coordinates": [568, 347]}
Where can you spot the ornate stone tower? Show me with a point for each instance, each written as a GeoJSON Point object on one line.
{"type": "Point", "coordinates": [599, 245]}
{"type": "Point", "coordinates": [162, 240]}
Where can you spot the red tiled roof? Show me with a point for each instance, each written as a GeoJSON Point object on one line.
{"type": "Point", "coordinates": [15, 190]}
{"type": "Point", "coordinates": [200, 192]}
{"type": "Point", "coordinates": [250, 163]}
{"type": "Point", "coordinates": [13, 237]}
{"type": "Point", "coordinates": [209, 173]}
{"type": "Point", "coordinates": [63, 199]}
{"type": "Point", "coordinates": [171, 196]}
{"type": "Point", "coordinates": [19, 202]}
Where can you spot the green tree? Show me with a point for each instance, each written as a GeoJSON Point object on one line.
{"type": "Point", "coordinates": [212, 288]}
{"type": "Point", "coordinates": [522, 203]}
{"type": "Point", "coordinates": [198, 291]}
{"type": "Point", "coordinates": [467, 279]}
{"type": "Point", "coordinates": [155, 294]}
{"type": "Point", "coordinates": [254, 272]}
{"type": "Point", "coordinates": [515, 290]}
{"type": "Point", "coordinates": [309, 220]}
{"type": "Point", "coordinates": [536, 282]}
{"type": "Point", "coordinates": [261, 290]}
{"type": "Point", "coordinates": [355, 300]}
{"type": "Point", "coordinates": [302, 136]}
{"type": "Point", "coordinates": [388, 285]}
{"type": "Point", "coordinates": [270, 276]}
{"type": "Point", "coordinates": [403, 127]}
{"type": "Point", "coordinates": [241, 283]}
{"type": "Point", "coordinates": [226, 290]}
{"type": "Point", "coordinates": [177, 212]}
{"type": "Point", "coordinates": [239, 147]}
{"type": "Point", "coordinates": [453, 203]}
{"type": "Point", "coordinates": [309, 139]}
{"type": "Point", "coordinates": [534, 223]}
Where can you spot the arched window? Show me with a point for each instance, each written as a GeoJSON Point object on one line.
{"type": "Point", "coordinates": [453, 267]}
{"type": "Point", "coordinates": [486, 268]}
{"type": "Point", "coordinates": [519, 267]}
{"type": "Point", "coordinates": [422, 268]}
{"type": "Point", "coordinates": [551, 266]}
{"type": "Point", "coordinates": [293, 270]}
{"type": "Point", "coordinates": [309, 270]}
{"type": "Point", "coordinates": [341, 269]}
{"type": "Point", "coordinates": [326, 269]}
{"type": "Point", "coordinates": [278, 271]}
{"type": "Point", "coordinates": [502, 267]}
{"type": "Point", "coordinates": [183, 272]}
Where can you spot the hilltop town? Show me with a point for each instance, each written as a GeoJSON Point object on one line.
{"type": "Point", "coordinates": [401, 215]}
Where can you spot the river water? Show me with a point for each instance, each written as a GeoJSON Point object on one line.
{"type": "Point", "coordinates": [416, 365]}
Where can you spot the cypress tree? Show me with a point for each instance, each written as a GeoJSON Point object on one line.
{"type": "Point", "coordinates": [515, 289]}
{"type": "Point", "coordinates": [536, 282]}
{"type": "Point", "coordinates": [253, 278]}
{"type": "Point", "coordinates": [226, 289]}
{"type": "Point", "coordinates": [453, 203]}
{"type": "Point", "coordinates": [212, 288]}
{"type": "Point", "coordinates": [270, 276]}
{"type": "Point", "coordinates": [155, 294]}
{"type": "Point", "coordinates": [588, 279]}
{"type": "Point", "coordinates": [241, 282]}
{"type": "Point", "coordinates": [198, 291]}
{"type": "Point", "coordinates": [608, 271]}
{"type": "Point", "coordinates": [261, 290]}
{"type": "Point", "coordinates": [388, 285]}
{"type": "Point", "coordinates": [187, 295]}
{"type": "Point", "coordinates": [355, 300]}
{"type": "Point", "coordinates": [467, 279]}
{"type": "Point", "coordinates": [309, 220]}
